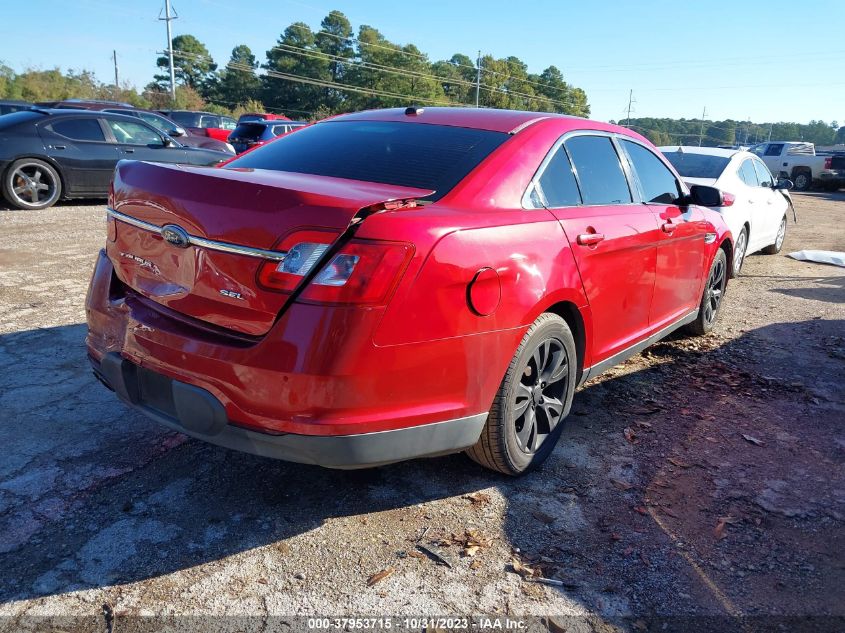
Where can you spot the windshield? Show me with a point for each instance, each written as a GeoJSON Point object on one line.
{"type": "Point", "coordinates": [691, 165]}
{"type": "Point", "coordinates": [407, 154]}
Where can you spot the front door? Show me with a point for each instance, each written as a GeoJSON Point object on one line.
{"type": "Point", "coordinates": [681, 248]}
{"type": "Point", "coordinates": [613, 239]}
{"type": "Point", "coordinates": [138, 141]}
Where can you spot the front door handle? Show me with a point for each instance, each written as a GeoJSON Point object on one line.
{"type": "Point", "coordinates": [590, 239]}
{"type": "Point", "coordinates": [668, 227]}
{"type": "Point", "coordinates": [60, 146]}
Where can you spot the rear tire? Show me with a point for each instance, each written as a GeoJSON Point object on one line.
{"type": "Point", "coordinates": [774, 249]}
{"type": "Point", "coordinates": [802, 180]}
{"type": "Point", "coordinates": [711, 298]}
{"type": "Point", "coordinates": [533, 400]}
{"type": "Point", "coordinates": [31, 184]}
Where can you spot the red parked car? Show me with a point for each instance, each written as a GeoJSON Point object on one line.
{"type": "Point", "coordinates": [399, 283]}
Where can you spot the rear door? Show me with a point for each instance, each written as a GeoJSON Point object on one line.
{"type": "Point", "coordinates": [79, 145]}
{"type": "Point", "coordinates": [613, 238]}
{"type": "Point", "coordinates": [681, 254]}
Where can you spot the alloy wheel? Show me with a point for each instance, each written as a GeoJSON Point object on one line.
{"type": "Point", "coordinates": [781, 234]}
{"type": "Point", "coordinates": [539, 395]}
{"type": "Point", "coordinates": [32, 184]}
{"type": "Point", "coordinates": [715, 291]}
{"type": "Point", "coordinates": [739, 251]}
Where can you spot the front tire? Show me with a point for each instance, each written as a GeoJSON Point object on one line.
{"type": "Point", "coordinates": [711, 298]}
{"type": "Point", "coordinates": [31, 184]}
{"type": "Point", "coordinates": [533, 400]}
{"type": "Point", "coordinates": [774, 249]}
{"type": "Point", "coordinates": [740, 250]}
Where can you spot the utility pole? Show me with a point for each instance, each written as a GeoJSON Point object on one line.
{"type": "Point", "coordinates": [770, 132]}
{"type": "Point", "coordinates": [116, 75]}
{"type": "Point", "coordinates": [630, 101]}
{"type": "Point", "coordinates": [478, 79]}
{"type": "Point", "coordinates": [167, 19]}
{"type": "Point", "coordinates": [701, 131]}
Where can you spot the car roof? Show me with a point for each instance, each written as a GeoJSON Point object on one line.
{"type": "Point", "coordinates": [507, 121]}
{"type": "Point", "coordinates": [66, 112]}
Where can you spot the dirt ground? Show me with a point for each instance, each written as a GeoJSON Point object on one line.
{"type": "Point", "coordinates": [702, 478]}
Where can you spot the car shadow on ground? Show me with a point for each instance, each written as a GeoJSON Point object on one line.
{"type": "Point", "coordinates": [5, 206]}
{"type": "Point", "coordinates": [94, 495]}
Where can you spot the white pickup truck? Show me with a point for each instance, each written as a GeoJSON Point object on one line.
{"type": "Point", "coordinates": [796, 161]}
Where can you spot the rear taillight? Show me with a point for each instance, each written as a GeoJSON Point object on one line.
{"type": "Point", "coordinates": [363, 272]}
{"type": "Point", "coordinates": [728, 199]}
{"type": "Point", "coordinates": [828, 162]}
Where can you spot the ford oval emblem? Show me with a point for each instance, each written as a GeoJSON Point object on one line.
{"type": "Point", "coordinates": [175, 235]}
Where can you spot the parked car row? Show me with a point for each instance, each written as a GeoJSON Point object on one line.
{"type": "Point", "coordinates": [50, 154]}
{"type": "Point", "coordinates": [37, 170]}
{"type": "Point", "coordinates": [799, 162]}
{"type": "Point", "coordinates": [399, 283]}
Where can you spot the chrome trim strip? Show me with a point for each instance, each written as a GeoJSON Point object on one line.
{"type": "Point", "coordinates": [620, 357]}
{"type": "Point", "coordinates": [201, 242]}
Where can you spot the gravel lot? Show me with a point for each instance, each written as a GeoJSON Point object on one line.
{"type": "Point", "coordinates": [704, 477]}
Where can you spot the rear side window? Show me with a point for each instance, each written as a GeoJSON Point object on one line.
{"type": "Point", "coordinates": [747, 173]}
{"type": "Point", "coordinates": [207, 120]}
{"type": "Point", "coordinates": [558, 182]}
{"type": "Point", "coordinates": [764, 176]}
{"type": "Point", "coordinates": [79, 129]}
{"type": "Point", "coordinates": [658, 183]}
{"type": "Point", "coordinates": [599, 170]}
{"type": "Point", "coordinates": [227, 124]}
{"type": "Point", "coordinates": [408, 154]}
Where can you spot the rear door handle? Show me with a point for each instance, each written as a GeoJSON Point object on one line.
{"type": "Point", "coordinates": [590, 239]}
{"type": "Point", "coordinates": [60, 146]}
{"type": "Point", "coordinates": [129, 151]}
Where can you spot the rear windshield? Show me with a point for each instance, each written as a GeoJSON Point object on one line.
{"type": "Point", "coordinates": [248, 131]}
{"type": "Point", "coordinates": [697, 165]}
{"type": "Point", "coordinates": [407, 154]}
{"type": "Point", "coordinates": [249, 117]}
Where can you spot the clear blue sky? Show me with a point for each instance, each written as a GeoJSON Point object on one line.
{"type": "Point", "coordinates": [768, 60]}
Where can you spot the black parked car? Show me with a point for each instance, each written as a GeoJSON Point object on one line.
{"type": "Point", "coordinates": [13, 105]}
{"type": "Point", "coordinates": [248, 134]}
{"type": "Point", "coordinates": [47, 155]}
{"type": "Point", "coordinates": [159, 121]}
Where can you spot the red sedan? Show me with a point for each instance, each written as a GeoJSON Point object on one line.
{"type": "Point", "coordinates": [399, 283]}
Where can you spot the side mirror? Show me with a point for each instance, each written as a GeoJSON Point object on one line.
{"type": "Point", "coordinates": [705, 196]}
{"type": "Point", "coordinates": [177, 131]}
{"type": "Point", "coordinates": [784, 183]}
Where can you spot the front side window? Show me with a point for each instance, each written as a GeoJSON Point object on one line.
{"type": "Point", "coordinates": [185, 119]}
{"type": "Point", "coordinates": [774, 149]}
{"type": "Point", "coordinates": [747, 173]}
{"type": "Point", "coordinates": [208, 120]}
{"type": "Point", "coordinates": [425, 156]}
{"type": "Point", "coordinates": [79, 129]}
{"type": "Point", "coordinates": [227, 124]}
{"type": "Point", "coordinates": [558, 182]}
{"type": "Point", "coordinates": [658, 183]}
{"type": "Point", "coordinates": [764, 176]}
{"type": "Point", "coordinates": [132, 133]}
{"type": "Point", "coordinates": [158, 122]}
{"type": "Point", "coordinates": [599, 170]}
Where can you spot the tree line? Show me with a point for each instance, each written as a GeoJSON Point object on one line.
{"type": "Point", "coordinates": [317, 73]}
{"type": "Point", "coordinates": [730, 132]}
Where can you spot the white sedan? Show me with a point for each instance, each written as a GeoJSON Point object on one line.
{"type": "Point", "coordinates": [755, 212]}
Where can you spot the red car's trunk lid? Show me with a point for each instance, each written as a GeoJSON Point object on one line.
{"type": "Point", "coordinates": [244, 208]}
